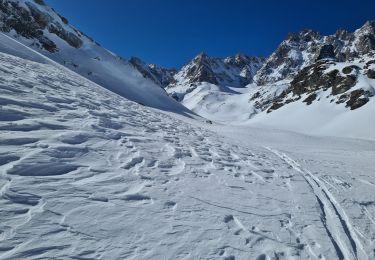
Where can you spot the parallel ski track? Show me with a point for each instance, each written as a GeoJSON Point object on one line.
{"type": "Point", "coordinates": [335, 220]}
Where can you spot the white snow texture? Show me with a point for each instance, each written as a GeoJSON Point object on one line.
{"type": "Point", "coordinates": [86, 173]}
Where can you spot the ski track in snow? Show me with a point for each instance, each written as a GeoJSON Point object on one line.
{"type": "Point", "coordinates": [85, 174]}
{"type": "Point", "coordinates": [334, 218]}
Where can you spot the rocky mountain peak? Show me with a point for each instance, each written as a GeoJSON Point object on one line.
{"type": "Point", "coordinates": [364, 42]}
{"type": "Point", "coordinates": [305, 35]}
{"type": "Point", "coordinates": [342, 34]}
{"type": "Point", "coordinates": [240, 60]}
{"type": "Point", "coordinates": [368, 27]}
{"type": "Point", "coordinates": [200, 70]}
{"type": "Point", "coordinates": [201, 57]}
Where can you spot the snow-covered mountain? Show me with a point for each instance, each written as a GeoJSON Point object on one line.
{"type": "Point", "coordinates": [38, 26]}
{"type": "Point", "coordinates": [234, 71]}
{"type": "Point", "coordinates": [306, 47]}
{"type": "Point", "coordinates": [334, 72]}
{"type": "Point", "coordinates": [239, 88]}
{"type": "Point", "coordinates": [324, 79]}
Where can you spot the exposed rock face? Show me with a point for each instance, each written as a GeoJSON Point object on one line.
{"type": "Point", "coordinates": [161, 76]}
{"type": "Point", "coordinates": [358, 98]}
{"type": "Point", "coordinates": [310, 99]}
{"type": "Point", "coordinates": [371, 74]}
{"type": "Point", "coordinates": [32, 23]}
{"type": "Point", "coordinates": [327, 52]}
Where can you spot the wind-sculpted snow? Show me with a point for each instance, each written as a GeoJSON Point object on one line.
{"type": "Point", "coordinates": [86, 174]}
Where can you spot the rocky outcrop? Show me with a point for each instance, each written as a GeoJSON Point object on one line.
{"type": "Point", "coordinates": [327, 52]}
{"type": "Point", "coordinates": [358, 98]}
{"type": "Point", "coordinates": [33, 23]}
{"type": "Point", "coordinates": [371, 74]}
{"type": "Point", "coordinates": [161, 76]}
{"type": "Point", "coordinates": [339, 86]}
{"type": "Point", "coordinates": [316, 77]}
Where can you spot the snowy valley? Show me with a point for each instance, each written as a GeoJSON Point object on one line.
{"type": "Point", "coordinates": [235, 158]}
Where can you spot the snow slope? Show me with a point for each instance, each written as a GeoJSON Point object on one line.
{"type": "Point", "coordinates": [91, 60]}
{"type": "Point", "coordinates": [230, 105]}
{"type": "Point", "coordinates": [210, 101]}
{"type": "Point", "coordinates": [87, 174]}
{"type": "Point", "coordinates": [321, 118]}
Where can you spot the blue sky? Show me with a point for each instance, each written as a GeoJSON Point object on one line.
{"type": "Point", "coordinates": [171, 32]}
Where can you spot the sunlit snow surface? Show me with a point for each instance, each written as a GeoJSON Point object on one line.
{"type": "Point", "coordinates": [86, 174]}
